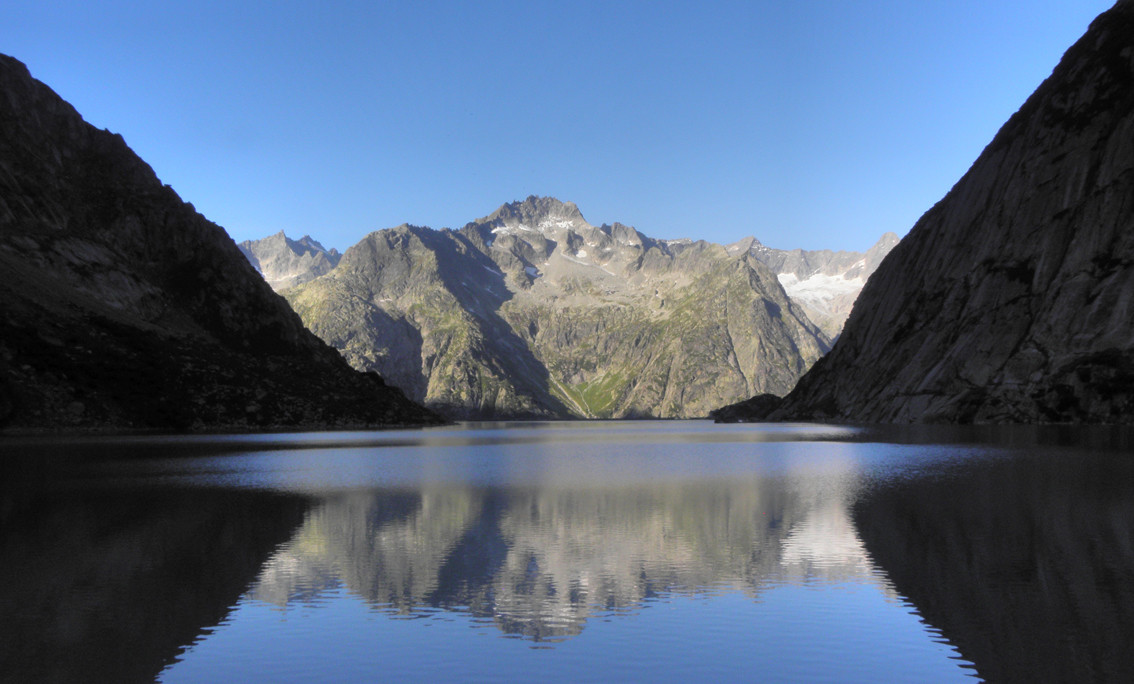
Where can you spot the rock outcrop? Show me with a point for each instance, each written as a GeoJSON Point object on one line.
{"type": "Point", "coordinates": [1012, 299]}
{"type": "Point", "coordinates": [285, 262]}
{"type": "Point", "coordinates": [533, 312]}
{"type": "Point", "coordinates": [121, 307]}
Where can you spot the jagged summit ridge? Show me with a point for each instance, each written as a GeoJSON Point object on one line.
{"type": "Point", "coordinates": [553, 219]}
{"type": "Point", "coordinates": [310, 244]}
{"type": "Point", "coordinates": [534, 212]}
{"type": "Point", "coordinates": [285, 263]}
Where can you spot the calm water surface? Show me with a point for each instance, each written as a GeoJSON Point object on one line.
{"type": "Point", "coordinates": [660, 551]}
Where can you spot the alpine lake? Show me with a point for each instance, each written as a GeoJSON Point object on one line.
{"type": "Point", "coordinates": [575, 551]}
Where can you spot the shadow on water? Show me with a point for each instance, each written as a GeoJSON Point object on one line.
{"type": "Point", "coordinates": [111, 585]}
{"type": "Point", "coordinates": [1025, 563]}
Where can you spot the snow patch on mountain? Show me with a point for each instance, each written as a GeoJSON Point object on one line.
{"type": "Point", "coordinates": [818, 289]}
{"type": "Point", "coordinates": [557, 223]}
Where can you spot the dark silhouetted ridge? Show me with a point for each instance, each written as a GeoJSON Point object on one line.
{"type": "Point", "coordinates": [121, 307]}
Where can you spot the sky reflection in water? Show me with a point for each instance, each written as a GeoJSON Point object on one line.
{"type": "Point", "coordinates": [606, 551]}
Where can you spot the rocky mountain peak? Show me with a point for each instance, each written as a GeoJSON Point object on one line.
{"type": "Point", "coordinates": [536, 213]}
{"type": "Point", "coordinates": [311, 244]}
{"type": "Point", "coordinates": [304, 245]}
{"type": "Point", "coordinates": [888, 241]}
{"type": "Point", "coordinates": [626, 235]}
{"type": "Point", "coordinates": [285, 262]}
{"type": "Point", "coordinates": [748, 244]}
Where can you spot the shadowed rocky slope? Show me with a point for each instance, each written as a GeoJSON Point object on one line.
{"type": "Point", "coordinates": [1012, 299]}
{"type": "Point", "coordinates": [122, 307]}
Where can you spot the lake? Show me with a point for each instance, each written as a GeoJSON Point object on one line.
{"type": "Point", "coordinates": [585, 551]}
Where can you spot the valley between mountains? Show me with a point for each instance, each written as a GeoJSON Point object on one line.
{"type": "Point", "coordinates": [532, 312]}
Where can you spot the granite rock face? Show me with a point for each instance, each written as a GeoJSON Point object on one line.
{"type": "Point", "coordinates": [533, 312]}
{"type": "Point", "coordinates": [285, 262]}
{"type": "Point", "coordinates": [1012, 299]}
{"type": "Point", "coordinates": [121, 307]}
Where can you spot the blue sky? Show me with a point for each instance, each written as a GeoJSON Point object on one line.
{"type": "Point", "coordinates": [814, 124]}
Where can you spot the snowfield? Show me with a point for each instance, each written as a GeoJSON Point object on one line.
{"type": "Point", "coordinates": [819, 289]}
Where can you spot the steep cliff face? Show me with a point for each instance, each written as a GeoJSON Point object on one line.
{"type": "Point", "coordinates": [122, 307]}
{"type": "Point", "coordinates": [1012, 299]}
{"type": "Point", "coordinates": [285, 262]}
{"type": "Point", "coordinates": [532, 311]}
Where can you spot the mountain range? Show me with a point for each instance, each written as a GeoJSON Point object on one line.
{"type": "Point", "coordinates": [534, 312]}
{"type": "Point", "coordinates": [1012, 299]}
{"type": "Point", "coordinates": [121, 307]}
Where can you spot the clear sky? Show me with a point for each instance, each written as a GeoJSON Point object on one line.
{"type": "Point", "coordinates": [807, 123]}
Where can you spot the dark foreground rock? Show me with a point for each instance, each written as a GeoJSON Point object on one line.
{"type": "Point", "coordinates": [121, 307]}
{"type": "Point", "coordinates": [1012, 299]}
{"type": "Point", "coordinates": [751, 410]}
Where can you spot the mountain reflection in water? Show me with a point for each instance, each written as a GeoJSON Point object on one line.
{"type": "Point", "coordinates": [809, 551]}
{"type": "Point", "coordinates": [540, 561]}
